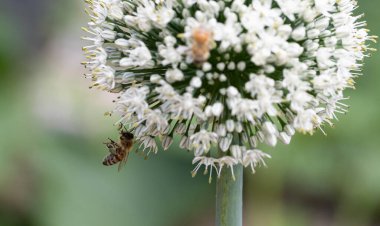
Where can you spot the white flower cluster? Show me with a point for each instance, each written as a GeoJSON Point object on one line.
{"type": "Point", "coordinates": [227, 74]}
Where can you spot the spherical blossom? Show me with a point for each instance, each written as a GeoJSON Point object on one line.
{"type": "Point", "coordinates": [225, 76]}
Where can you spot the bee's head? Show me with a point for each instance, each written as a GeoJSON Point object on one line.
{"type": "Point", "coordinates": [127, 135]}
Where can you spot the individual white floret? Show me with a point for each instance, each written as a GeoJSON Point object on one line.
{"type": "Point", "coordinates": [201, 142]}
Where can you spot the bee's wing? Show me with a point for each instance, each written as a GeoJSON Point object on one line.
{"type": "Point", "coordinates": [112, 146]}
{"type": "Point", "coordinates": [123, 161]}
{"type": "Point", "coordinates": [113, 150]}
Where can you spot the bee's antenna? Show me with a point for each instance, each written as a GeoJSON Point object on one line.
{"type": "Point", "coordinates": [120, 127]}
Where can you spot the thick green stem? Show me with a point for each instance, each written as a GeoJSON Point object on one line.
{"type": "Point", "coordinates": [229, 197]}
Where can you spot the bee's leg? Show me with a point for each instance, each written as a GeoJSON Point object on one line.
{"type": "Point", "coordinates": [112, 141]}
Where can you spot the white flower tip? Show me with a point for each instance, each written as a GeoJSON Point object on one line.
{"type": "Point", "coordinates": [174, 75]}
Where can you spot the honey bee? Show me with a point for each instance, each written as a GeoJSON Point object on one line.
{"type": "Point", "coordinates": [119, 152]}
{"type": "Point", "coordinates": [202, 41]}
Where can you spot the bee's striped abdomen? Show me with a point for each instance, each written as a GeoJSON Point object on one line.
{"type": "Point", "coordinates": [110, 160]}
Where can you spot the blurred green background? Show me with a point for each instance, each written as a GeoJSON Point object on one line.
{"type": "Point", "coordinates": [52, 128]}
